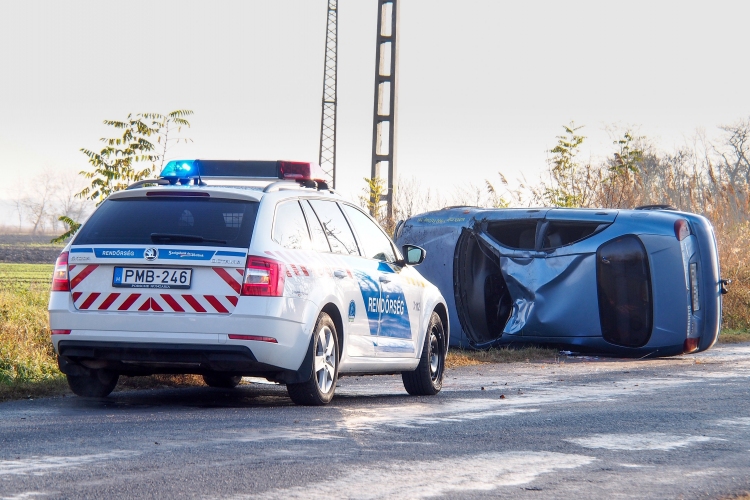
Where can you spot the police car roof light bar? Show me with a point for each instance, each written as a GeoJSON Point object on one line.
{"type": "Point", "coordinates": [305, 173]}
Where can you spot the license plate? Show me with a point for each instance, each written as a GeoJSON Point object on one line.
{"type": "Point", "coordinates": [151, 277]}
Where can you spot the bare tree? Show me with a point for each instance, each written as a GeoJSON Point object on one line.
{"type": "Point", "coordinates": [37, 201]}
{"type": "Point", "coordinates": [67, 204]}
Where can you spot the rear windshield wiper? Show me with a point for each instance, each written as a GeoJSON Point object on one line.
{"type": "Point", "coordinates": [184, 238]}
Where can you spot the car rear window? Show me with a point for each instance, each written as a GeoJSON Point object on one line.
{"type": "Point", "coordinates": [174, 221]}
{"type": "Point", "coordinates": [623, 280]}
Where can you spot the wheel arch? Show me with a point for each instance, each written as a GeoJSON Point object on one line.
{"type": "Point", "coordinates": [333, 311]}
{"type": "Point", "coordinates": [442, 311]}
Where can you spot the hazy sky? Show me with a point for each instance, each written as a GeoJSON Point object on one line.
{"type": "Point", "coordinates": [485, 85]}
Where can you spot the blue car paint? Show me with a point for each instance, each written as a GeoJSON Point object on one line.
{"type": "Point", "coordinates": [554, 292]}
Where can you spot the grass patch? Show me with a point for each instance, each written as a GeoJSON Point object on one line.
{"type": "Point", "coordinates": [32, 390]}
{"type": "Point", "coordinates": [465, 357]}
{"type": "Point", "coordinates": [28, 367]}
{"type": "Point", "coordinates": [26, 276]}
{"type": "Point", "coordinates": [728, 336]}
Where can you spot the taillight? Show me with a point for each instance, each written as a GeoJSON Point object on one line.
{"type": "Point", "coordinates": [258, 338]}
{"type": "Point", "coordinates": [60, 281]}
{"type": "Point", "coordinates": [681, 229]}
{"type": "Point", "coordinates": [60, 332]}
{"type": "Point", "coordinates": [690, 345]}
{"type": "Point", "coordinates": [263, 277]}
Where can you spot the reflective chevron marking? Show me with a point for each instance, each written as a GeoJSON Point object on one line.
{"type": "Point", "coordinates": [90, 294]}
{"type": "Point", "coordinates": [172, 303]}
{"type": "Point", "coordinates": [129, 302]}
{"type": "Point", "coordinates": [194, 303]}
{"type": "Point", "coordinates": [108, 301]}
{"type": "Point", "coordinates": [221, 304]}
{"type": "Point", "coordinates": [89, 300]}
{"type": "Point", "coordinates": [81, 275]}
{"type": "Point", "coordinates": [228, 278]}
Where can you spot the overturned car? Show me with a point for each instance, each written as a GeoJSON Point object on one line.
{"type": "Point", "coordinates": [638, 283]}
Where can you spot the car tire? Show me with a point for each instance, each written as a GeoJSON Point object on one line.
{"type": "Point", "coordinates": [319, 388]}
{"type": "Point", "coordinates": [222, 381]}
{"type": "Point", "coordinates": [427, 379]}
{"type": "Point", "coordinates": [99, 384]}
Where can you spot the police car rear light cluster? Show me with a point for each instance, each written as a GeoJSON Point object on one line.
{"type": "Point", "coordinates": [60, 282]}
{"type": "Point", "coordinates": [263, 277]}
{"type": "Point", "coordinates": [257, 338]}
{"type": "Point", "coordinates": [681, 229]}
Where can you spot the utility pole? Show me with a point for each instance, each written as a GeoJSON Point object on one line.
{"type": "Point", "coordinates": [384, 116]}
{"type": "Point", "coordinates": [327, 158]}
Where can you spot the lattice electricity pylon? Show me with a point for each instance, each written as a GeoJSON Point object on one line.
{"type": "Point", "coordinates": [327, 157]}
{"type": "Point", "coordinates": [384, 117]}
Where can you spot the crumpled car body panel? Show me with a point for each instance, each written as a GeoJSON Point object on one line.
{"type": "Point", "coordinates": [619, 282]}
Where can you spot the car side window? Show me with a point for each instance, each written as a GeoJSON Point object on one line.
{"type": "Point", "coordinates": [375, 244]}
{"type": "Point", "coordinates": [561, 233]}
{"type": "Point", "coordinates": [289, 227]}
{"type": "Point", "coordinates": [319, 241]}
{"type": "Point", "coordinates": [336, 228]}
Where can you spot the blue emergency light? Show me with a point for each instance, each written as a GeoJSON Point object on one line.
{"type": "Point", "coordinates": [182, 171]}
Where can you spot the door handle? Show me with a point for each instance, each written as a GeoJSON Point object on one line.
{"type": "Point", "coordinates": [384, 279]}
{"type": "Point", "coordinates": [339, 274]}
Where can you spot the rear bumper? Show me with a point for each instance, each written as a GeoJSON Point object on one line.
{"type": "Point", "coordinates": [288, 320]}
{"type": "Point", "coordinates": [138, 358]}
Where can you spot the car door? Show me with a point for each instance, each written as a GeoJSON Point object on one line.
{"type": "Point", "coordinates": [344, 261]}
{"type": "Point", "coordinates": [385, 287]}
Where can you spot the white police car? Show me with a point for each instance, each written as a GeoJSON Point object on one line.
{"type": "Point", "coordinates": [242, 268]}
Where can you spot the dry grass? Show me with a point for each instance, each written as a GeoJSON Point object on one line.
{"type": "Point", "coordinates": [463, 357]}
{"type": "Point", "coordinates": [159, 382]}
{"type": "Point", "coordinates": [32, 390]}
{"type": "Point", "coordinates": [734, 336]}
{"type": "Point", "coordinates": [26, 354]}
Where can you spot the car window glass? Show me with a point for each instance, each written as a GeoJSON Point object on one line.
{"type": "Point", "coordinates": [200, 221]}
{"type": "Point", "coordinates": [336, 227]}
{"type": "Point", "coordinates": [319, 241]}
{"type": "Point", "coordinates": [518, 234]}
{"type": "Point", "coordinates": [290, 228]}
{"type": "Point", "coordinates": [561, 233]}
{"type": "Point", "coordinates": [375, 244]}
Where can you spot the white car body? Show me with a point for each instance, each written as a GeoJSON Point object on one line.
{"type": "Point", "coordinates": [381, 310]}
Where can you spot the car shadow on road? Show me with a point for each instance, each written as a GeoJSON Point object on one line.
{"type": "Point", "coordinates": [244, 396]}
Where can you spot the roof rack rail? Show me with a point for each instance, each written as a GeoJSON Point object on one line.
{"type": "Point", "coordinates": [160, 182]}
{"type": "Point", "coordinates": [296, 183]}
{"type": "Point", "coordinates": [656, 207]}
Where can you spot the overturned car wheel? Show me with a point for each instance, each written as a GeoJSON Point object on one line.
{"type": "Point", "coordinates": [427, 379]}
{"type": "Point", "coordinates": [99, 384]}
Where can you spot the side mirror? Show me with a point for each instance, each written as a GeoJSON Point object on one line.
{"type": "Point", "coordinates": [413, 255]}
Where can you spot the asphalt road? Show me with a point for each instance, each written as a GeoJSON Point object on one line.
{"type": "Point", "coordinates": [584, 428]}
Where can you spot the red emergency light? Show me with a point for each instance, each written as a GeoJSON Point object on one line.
{"type": "Point", "coordinates": [300, 171]}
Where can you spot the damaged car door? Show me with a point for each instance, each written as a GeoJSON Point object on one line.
{"type": "Point", "coordinates": [540, 267]}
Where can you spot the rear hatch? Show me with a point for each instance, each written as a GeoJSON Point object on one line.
{"type": "Point", "coordinates": [162, 254]}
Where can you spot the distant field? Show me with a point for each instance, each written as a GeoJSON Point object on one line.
{"type": "Point", "coordinates": [25, 275]}
{"type": "Point", "coordinates": [28, 248]}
